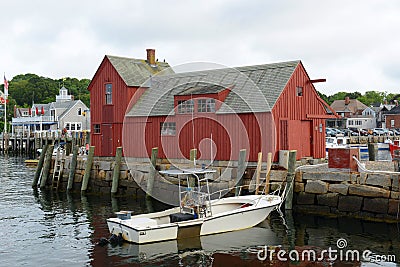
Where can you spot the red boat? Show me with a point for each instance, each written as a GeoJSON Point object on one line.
{"type": "Point", "coordinates": [394, 146]}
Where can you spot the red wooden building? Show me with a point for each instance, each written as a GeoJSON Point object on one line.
{"type": "Point", "coordinates": [265, 108]}
{"type": "Point", "coordinates": [114, 84]}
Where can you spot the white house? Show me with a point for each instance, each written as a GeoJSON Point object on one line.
{"type": "Point", "coordinates": [64, 113]}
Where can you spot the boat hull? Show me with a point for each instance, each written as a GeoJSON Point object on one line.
{"type": "Point", "coordinates": [147, 228]}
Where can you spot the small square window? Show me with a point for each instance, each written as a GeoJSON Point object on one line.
{"type": "Point", "coordinates": [168, 128]}
{"type": "Point", "coordinates": [299, 91]}
{"type": "Point", "coordinates": [206, 105]}
{"type": "Point", "coordinates": [185, 106]}
{"type": "Point", "coordinates": [96, 128]}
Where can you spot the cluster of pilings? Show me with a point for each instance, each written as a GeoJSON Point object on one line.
{"type": "Point", "coordinates": [29, 145]}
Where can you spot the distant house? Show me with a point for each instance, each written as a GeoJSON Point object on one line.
{"type": "Point", "coordinates": [73, 115]}
{"type": "Point", "coordinates": [354, 114]}
{"type": "Point", "coordinates": [380, 111]}
{"type": "Point", "coordinates": [264, 108]}
{"type": "Point", "coordinates": [392, 118]}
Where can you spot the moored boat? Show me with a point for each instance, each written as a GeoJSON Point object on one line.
{"type": "Point", "coordinates": [197, 214]}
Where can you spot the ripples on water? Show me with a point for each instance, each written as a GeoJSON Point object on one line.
{"type": "Point", "coordinates": [56, 229]}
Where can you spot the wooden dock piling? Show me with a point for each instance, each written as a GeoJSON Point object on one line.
{"type": "Point", "coordinates": [258, 171]}
{"type": "Point", "coordinates": [88, 168]}
{"type": "Point", "coordinates": [39, 167]}
{"type": "Point", "coordinates": [46, 167]}
{"type": "Point", "coordinates": [371, 152]}
{"type": "Point", "coordinates": [152, 172]}
{"type": "Point", "coordinates": [116, 172]}
{"type": "Point", "coordinates": [290, 179]}
{"type": "Point", "coordinates": [72, 168]}
{"type": "Point", "coordinates": [240, 171]}
{"type": "Point", "coordinates": [268, 174]}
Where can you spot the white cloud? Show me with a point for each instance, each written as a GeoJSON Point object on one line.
{"type": "Point", "coordinates": [354, 44]}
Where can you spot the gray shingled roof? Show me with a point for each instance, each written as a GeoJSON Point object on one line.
{"type": "Point", "coordinates": [64, 106]}
{"type": "Point", "coordinates": [253, 88]}
{"type": "Point", "coordinates": [135, 72]}
{"type": "Point", "coordinates": [199, 88]}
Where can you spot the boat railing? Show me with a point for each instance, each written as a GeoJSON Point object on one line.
{"type": "Point", "coordinates": [224, 191]}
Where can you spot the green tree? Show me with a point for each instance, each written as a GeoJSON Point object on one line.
{"type": "Point", "coordinates": [371, 97]}
{"type": "Point", "coordinates": [28, 88]}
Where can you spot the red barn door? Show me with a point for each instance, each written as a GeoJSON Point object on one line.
{"type": "Point", "coordinates": [107, 139]}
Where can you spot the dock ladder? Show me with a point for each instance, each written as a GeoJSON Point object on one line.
{"type": "Point", "coordinates": [58, 168]}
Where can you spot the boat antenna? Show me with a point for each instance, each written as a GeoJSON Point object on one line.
{"type": "Point", "coordinates": [211, 151]}
{"type": "Point", "coordinates": [194, 154]}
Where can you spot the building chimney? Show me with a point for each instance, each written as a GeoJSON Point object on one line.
{"type": "Point", "coordinates": [151, 56]}
{"type": "Point", "coordinates": [347, 100]}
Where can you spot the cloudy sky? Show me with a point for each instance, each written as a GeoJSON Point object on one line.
{"type": "Point", "coordinates": [354, 44]}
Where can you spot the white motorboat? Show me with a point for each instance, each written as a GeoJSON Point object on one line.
{"type": "Point", "coordinates": [197, 214]}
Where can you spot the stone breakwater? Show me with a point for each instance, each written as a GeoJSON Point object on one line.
{"type": "Point", "coordinates": [320, 190]}
{"type": "Point", "coordinates": [372, 195]}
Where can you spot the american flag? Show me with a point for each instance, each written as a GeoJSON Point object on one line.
{"type": "Point", "coordinates": [5, 86]}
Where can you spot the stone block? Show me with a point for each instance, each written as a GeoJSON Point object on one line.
{"type": "Point", "coordinates": [137, 176]}
{"type": "Point", "coordinates": [123, 166]}
{"type": "Point", "coordinates": [277, 176]}
{"type": "Point", "coordinates": [342, 189]}
{"type": "Point", "coordinates": [395, 182]}
{"type": "Point", "coordinates": [298, 177]}
{"type": "Point", "coordinates": [78, 178]}
{"type": "Point", "coordinates": [350, 203]}
{"type": "Point", "coordinates": [329, 199]}
{"type": "Point", "coordinates": [105, 165]}
{"type": "Point", "coordinates": [123, 175]}
{"type": "Point", "coordinates": [368, 191]}
{"type": "Point", "coordinates": [393, 207]}
{"type": "Point", "coordinates": [145, 167]}
{"type": "Point", "coordinates": [316, 187]}
{"type": "Point", "coordinates": [382, 180]}
{"type": "Point", "coordinates": [109, 175]}
{"type": "Point", "coordinates": [274, 187]}
{"type": "Point", "coordinates": [305, 199]}
{"type": "Point", "coordinates": [377, 205]}
{"type": "Point", "coordinates": [102, 175]}
{"type": "Point", "coordinates": [226, 174]}
{"type": "Point", "coordinates": [330, 176]}
{"type": "Point", "coordinates": [395, 195]}
{"type": "Point", "coordinates": [298, 187]}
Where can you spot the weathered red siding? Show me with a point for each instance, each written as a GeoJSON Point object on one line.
{"type": "Point", "coordinates": [299, 129]}
{"type": "Point", "coordinates": [110, 117]}
{"type": "Point", "coordinates": [229, 133]}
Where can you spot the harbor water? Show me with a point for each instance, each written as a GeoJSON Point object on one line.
{"type": "Point", "coordinates": [44, 228]}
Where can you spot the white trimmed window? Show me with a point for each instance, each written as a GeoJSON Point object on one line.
{"type": "Point", "coordinates": [168, 128]}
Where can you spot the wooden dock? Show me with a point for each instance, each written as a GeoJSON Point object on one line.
{"type": "Point", "coordinates": [24, 144]}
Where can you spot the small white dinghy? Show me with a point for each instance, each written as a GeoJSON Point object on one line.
{"type": "Point", "coordinates": [196, 216]}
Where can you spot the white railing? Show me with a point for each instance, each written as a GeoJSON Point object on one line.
{"type": "Point", "coordinates": [34, 119]}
